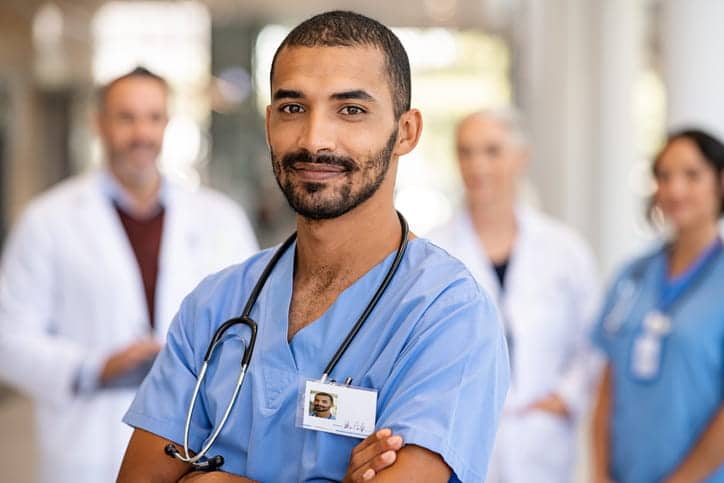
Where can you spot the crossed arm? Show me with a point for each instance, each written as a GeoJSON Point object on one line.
{"type": "Point", "coordinates": [146, 462]}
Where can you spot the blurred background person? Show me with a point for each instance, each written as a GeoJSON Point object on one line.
{"type": "Point", "coordinates": [92, 275]}
{"type": "Point", "coordinates": [543, 277]}
{"type": "Point", "coordinates": [659, 413]}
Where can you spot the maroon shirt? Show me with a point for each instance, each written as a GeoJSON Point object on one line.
{"type": "Point", "coordinates": [145, 238]}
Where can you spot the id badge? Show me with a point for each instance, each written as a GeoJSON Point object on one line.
{"type": "Point", "coordinates": [646, 357]}
{"type": "Point", "coordinates": [338, 409]}
{"type": "Point", "coordinates": [657, 323]}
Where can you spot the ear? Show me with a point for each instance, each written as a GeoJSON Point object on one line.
{"type": "Point", "coordinates": [96, 120]}
{"type": "Point", "coordinates": [523, 160]}
{"type": "Point", "coordinates": [266, 124]}
{"type": "Point", "coordinates": [409, 129]}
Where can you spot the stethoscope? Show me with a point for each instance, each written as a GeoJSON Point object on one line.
{"type": "Point", "coordinates": [657, 322]}
{"type": "Point", "coordinates": [629, 290]}
{"type": "Point", "coordinates": [200, 461]}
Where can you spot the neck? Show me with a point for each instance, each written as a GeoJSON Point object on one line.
{"type": "Point", "coordinates": [347, 246]}
{"type": "Point", "coordinates": [487, 217]}
{"type": "Point", "coordinates": [496, 228]}
{"type": "Point", "coordinates": [689, 244]}
{"type": "Point", "coordinates": [143, 192]}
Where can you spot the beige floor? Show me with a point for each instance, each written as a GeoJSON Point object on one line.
{"type": "Point", "coordinates": [16, 439]}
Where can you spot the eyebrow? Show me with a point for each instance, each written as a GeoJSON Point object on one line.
{"type": "Point", "coordinates": [287, 94]}
{"type": "Point", "coordinates": [358, 94]}
{"type": "Point", "coordinates": [354, 94]}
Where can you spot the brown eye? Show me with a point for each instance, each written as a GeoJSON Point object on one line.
{"type": "Point", "coordinates": [692, 174]}
{"type": "Point", "coordinates": [661, 176]}
{"type": "Point", "coordinates": [493, 150]}
{"type": "Point", "coordinates": [464, 153]}
{"type": "Point", "coordinates": [352, 110]}
{"type": "Point", "coordinates": [291, 109]}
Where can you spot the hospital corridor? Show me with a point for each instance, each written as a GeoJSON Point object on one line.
{"type": "Point", "coordinates": [340, 240]}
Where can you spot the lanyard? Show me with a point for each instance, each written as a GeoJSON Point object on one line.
{"type": "Point", "coordinates": [648, 346]}
{"type": "Point", "coordinates": [672, 291]}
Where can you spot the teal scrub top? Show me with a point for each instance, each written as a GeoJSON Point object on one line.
{"type": "Point", "coordinates": [656, 423]}
{"type": "Point", "coordinates": [433, 348]}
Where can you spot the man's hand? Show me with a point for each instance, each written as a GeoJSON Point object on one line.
{"type": "Point", "coordinates": [372, 455]}
{"type": "Point", "coordinates": [551, 404]}
{"type": "Point", "coordinates": [128, 359]}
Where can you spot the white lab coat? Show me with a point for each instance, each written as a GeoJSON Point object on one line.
{"type": "Point", "coordinates": [71, 291]}
{"type": "Point", "coordinates": [549, 304]}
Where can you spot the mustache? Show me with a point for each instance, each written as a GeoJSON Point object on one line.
{"type": "Point", "coordinates": [142, 145]}
{"type": "Point", "coordinates": [304, 156]}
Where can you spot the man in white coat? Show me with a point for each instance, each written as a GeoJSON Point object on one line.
{"type": "Point", "coordinates": [92, 275]}
{"type": "Point", "coordinates": [543, 276]}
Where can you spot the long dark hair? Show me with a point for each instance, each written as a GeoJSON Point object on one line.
{"type": "Point", "coordinates": [710, 148]}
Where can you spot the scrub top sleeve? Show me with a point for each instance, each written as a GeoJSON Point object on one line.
{"type": "Point", "coordinates": [446, 390]}
{"type": "Point", "coordinates": [599, 336]}
{"type": "Point", "coordinates": [162, 400]}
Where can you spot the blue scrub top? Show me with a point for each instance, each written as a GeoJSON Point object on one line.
{"type": "Point", "coordinates": [655, 424]}
{"type": "Point", "coordinates": [433, 348]}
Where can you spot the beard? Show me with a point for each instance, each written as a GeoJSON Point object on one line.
{"type": "Point", "coordinates": [135, 162]}
{"type": "Point", "coordinates": [308, 198]}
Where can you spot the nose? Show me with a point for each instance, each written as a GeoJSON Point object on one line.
{"type": "Point", "coordinates": [146, 129]}
{"type": "Point", "coordinates": [318, 134]}
{"type": "Point", "coordinates": [675, 186]}
{"type": "Point", "coordinates": [478, 162]}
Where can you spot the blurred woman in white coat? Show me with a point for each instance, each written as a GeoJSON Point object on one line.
{"type": "Point", "coordinates": [543, 277]}
{"type": "Point", "coordinates": [92, 275]}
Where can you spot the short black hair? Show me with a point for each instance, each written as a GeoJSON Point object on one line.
{"type": "Point", "coordinates": [348, 29]}
{"type": "Point", "coordinates": [137, 72]}
{"type": "Point", "coordinates": [711, 149]}
{"type": "Point", "coordinates": [331, 399]}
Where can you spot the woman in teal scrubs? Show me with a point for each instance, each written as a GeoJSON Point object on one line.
{"type": "Point", "coordinates": [659, 414]}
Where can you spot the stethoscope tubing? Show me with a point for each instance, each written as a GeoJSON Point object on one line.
{"type": "Point", "coordinates": [245, 319]}
{"type": "Point", "coordinates": [372, 303]}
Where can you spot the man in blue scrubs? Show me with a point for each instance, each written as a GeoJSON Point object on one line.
{"type": "Point", "coordinates": [432, 348]}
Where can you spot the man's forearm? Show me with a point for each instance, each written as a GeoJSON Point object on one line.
{"type": "Point", "coordinates": [416, 464]}
{"type": "Point", "coordinates": [707, 455]}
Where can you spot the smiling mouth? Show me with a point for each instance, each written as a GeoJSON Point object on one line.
{"type": "Point", "coordinates": [317, 171]}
